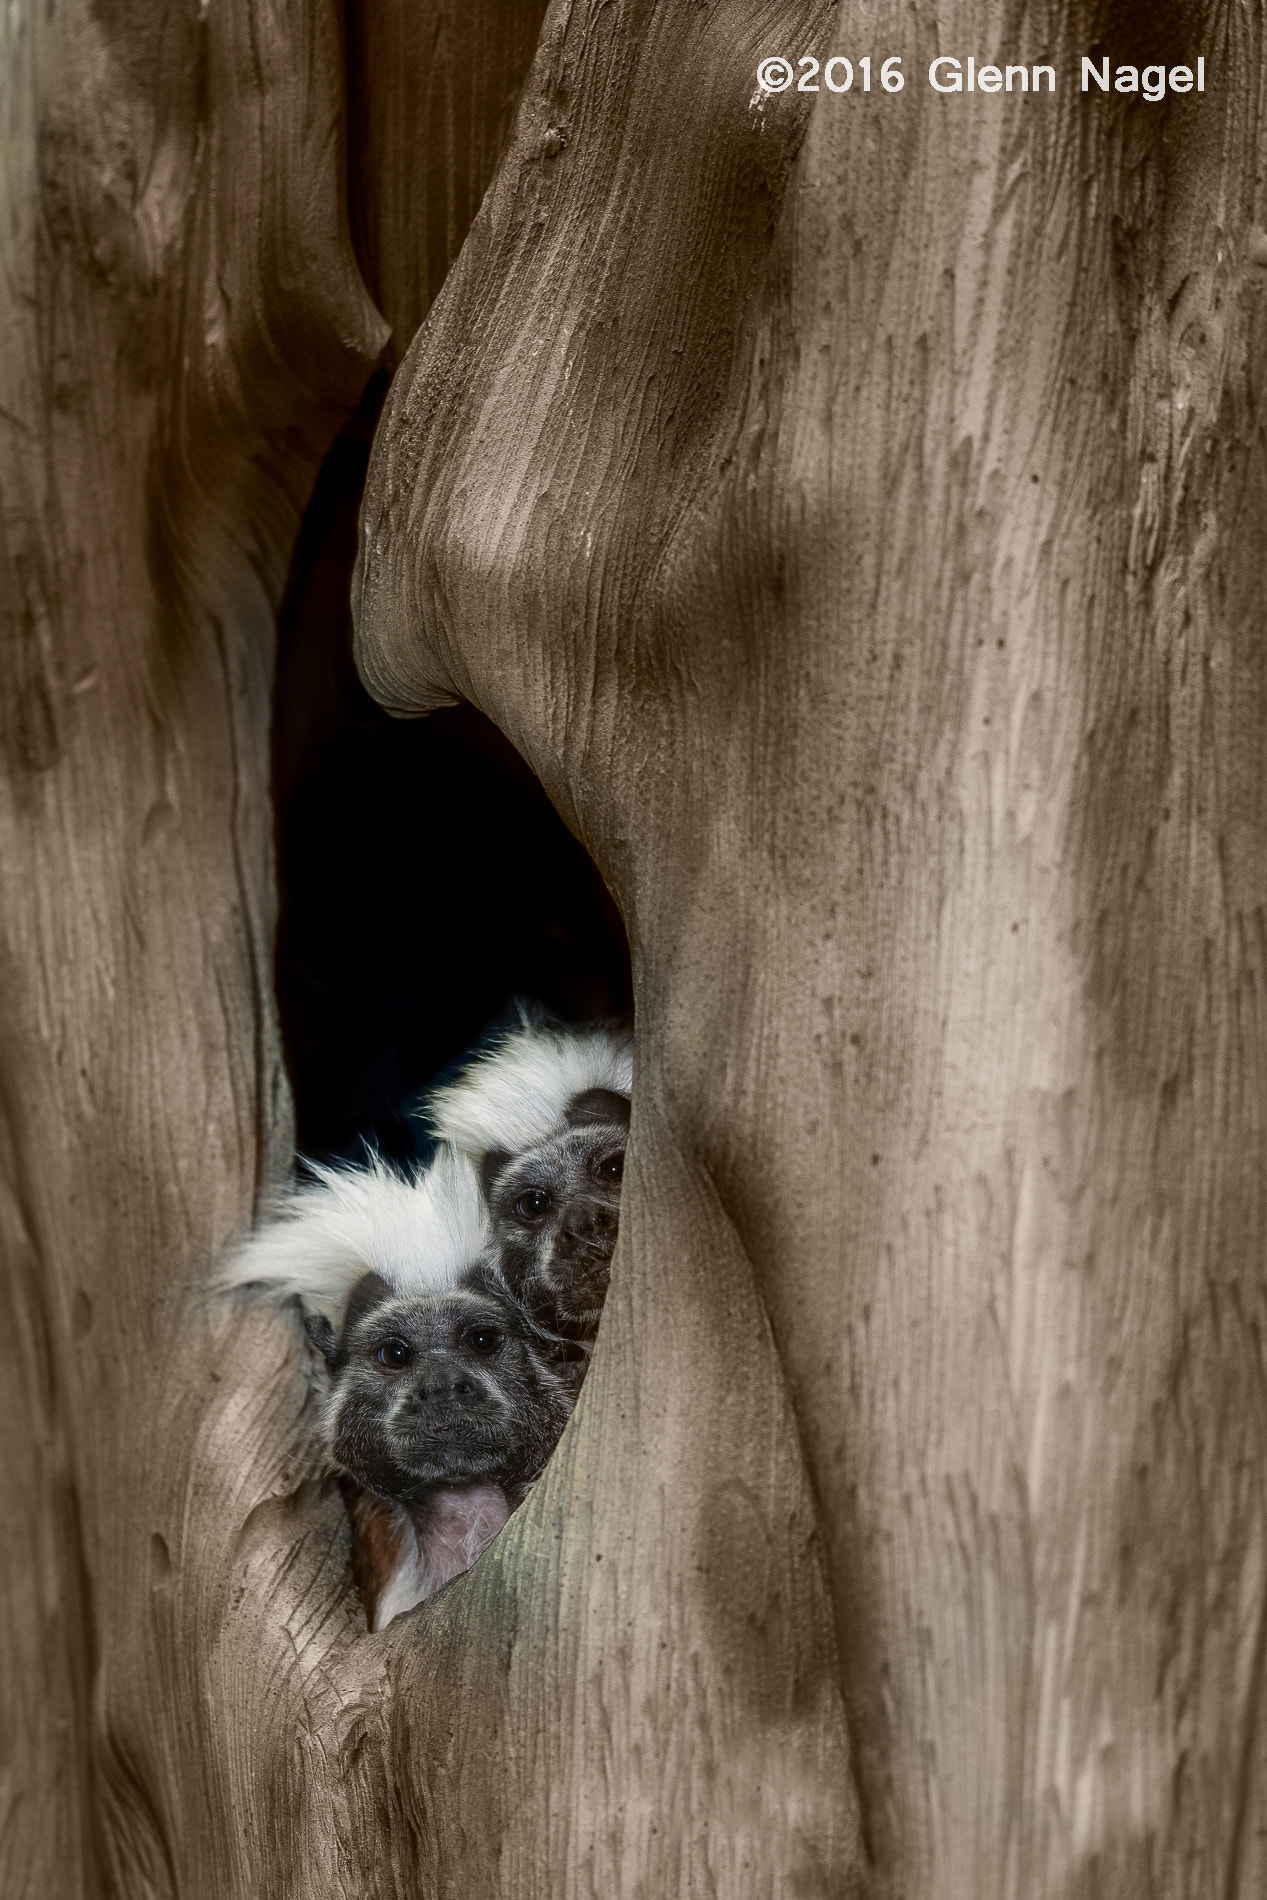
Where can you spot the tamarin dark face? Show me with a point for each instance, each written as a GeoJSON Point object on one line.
{"type": "Point", "coordinates": [439, 1389]}
{"type": "Point", "coordinates": [554, 1212]}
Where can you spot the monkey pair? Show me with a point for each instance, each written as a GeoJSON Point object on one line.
{"type": "Point", "coordinates": [455, 1310]}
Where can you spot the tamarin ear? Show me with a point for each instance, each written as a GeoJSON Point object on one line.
{"type": "Point", "coordinates": [322, 1335]}
{"type": "Point", "coordinates": [490, 1167]}
{"type": "Point", "coordinates": [598, 1105]}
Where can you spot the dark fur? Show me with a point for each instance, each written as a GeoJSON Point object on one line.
{"type": "Point", "coordinates": [451, 1415]}
{"type": "Point", "coordinates": [444, 1446]}
{"type": "Point", "coordinates": [554, 1211]}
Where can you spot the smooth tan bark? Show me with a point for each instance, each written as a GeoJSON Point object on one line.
{"type": "Point", "coordinates": [851, 508]}
{"type": "Point", "coordinates": [866, 557]}
{"type": "Point", "coordinates": [184, 328]}
{"type": "Point", "coordinates": [432, 91]}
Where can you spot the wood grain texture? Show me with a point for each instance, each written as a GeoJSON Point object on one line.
{"type": "Point", "coordinates": [853, 517]}
{"type": "Point", "coordinates": [852, 513]}
{"type": "Point", "coordinates": [184, 328]}
{"type": "Point", "coordinates": [431, 97]}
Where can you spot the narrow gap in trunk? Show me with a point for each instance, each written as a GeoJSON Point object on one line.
{"type": "Point", "coordinates": [426, 881]}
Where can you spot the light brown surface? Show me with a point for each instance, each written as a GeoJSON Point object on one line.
{"type": "Point", "coordinates": [184, 327]}
{"type": "Point", "coordinates": [871, 572]}
{"type": "Point", "coordinates": [432, 91]}
{"type": "Point", "coordinates": [854, 515]}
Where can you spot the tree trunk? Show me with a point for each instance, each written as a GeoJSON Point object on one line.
{"type": "Point", "coordinates": [185, 328]}
{"type": "Point", "coordinates": [847, 504]}
{"type": "Point", "coordinates": [861, 543]}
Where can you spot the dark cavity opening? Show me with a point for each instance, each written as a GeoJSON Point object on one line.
{"type": "Point", "coordinates": [426, 882]}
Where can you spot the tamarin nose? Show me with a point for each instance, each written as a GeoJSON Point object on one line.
{"type": "Point", "coordinates": [596, 1226]}
{"type": "Point", "coordinates": [442, 1386]}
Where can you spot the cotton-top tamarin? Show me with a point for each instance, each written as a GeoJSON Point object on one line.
{"type": "Point", "coordinates": [443, 1398]}
{"type": "Point", "coordinates": [544, 1116]}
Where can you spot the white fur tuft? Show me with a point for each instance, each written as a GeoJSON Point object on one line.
{"type": "Point", "coordinates": [517, 1094]}
{"type": "Point", "coordinates": [419, 1231]}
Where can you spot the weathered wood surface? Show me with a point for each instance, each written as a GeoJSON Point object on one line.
{"type": "Point", "coordinates": [853, 516]}
{"type": "Point", "coordinates": [184, 327]}
{"type": "Point", "coordinates": [866, 556]}
{"type": "Point", "coordinates": [432, 91]}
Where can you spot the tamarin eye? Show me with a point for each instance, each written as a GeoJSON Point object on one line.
{"type": "Point", "coordinates": [482, 1338]}
{"type": "Point", "coordinates": [394, 1353]}
{"type": "Point", "coordinates": [534, 1204]}
{"type": "Point", "coordinates": [612, 1168]}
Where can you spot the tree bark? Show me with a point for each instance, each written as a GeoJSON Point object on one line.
{"type": "Point", "coordinates": [185, 327]}
{"type": "Point", "coordinates": [848, 505]}
{"type": "Point", "coordinates": [861, 543]}
{"type": "Point", "coordinates": [432, 91]}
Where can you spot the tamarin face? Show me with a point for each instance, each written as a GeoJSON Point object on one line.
{"type": "Point", "coordinates": [554, 1211]}
{"type": "Point", "coordinates": [454, 1387]}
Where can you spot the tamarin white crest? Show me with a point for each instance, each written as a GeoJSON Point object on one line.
{"type": "Point", "coordinates": [544, 1115]}
{"type": "Point", "coordinates": [454, 1307]}
{"type": "Point", "coordinates": [443, 1398]}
